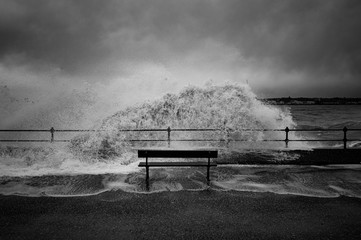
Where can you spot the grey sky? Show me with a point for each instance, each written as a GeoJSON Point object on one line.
{"type": "Point", "coordinates": [282, 48]}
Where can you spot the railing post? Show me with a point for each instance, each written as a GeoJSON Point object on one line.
{"type": "Point", "coordinates": [168, 130]}
{"type": "Point", "coordinates": [344, 137]}
{"type": "Point", "coordinates": [52, 130]}
{"type": "Point", "coordinates": [286, 140]}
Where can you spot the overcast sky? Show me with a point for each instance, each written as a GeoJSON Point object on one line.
{"type": "Point", "coordinates": [281, 48]}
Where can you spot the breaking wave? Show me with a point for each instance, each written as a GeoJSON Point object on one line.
{"type": "Point", "coordinates": [228, 108]}
{"type": "Point", "coordinates": [105, 160]}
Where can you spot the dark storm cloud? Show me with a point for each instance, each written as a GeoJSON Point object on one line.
{"type": "Point", "coordinates": [316, 38]}
{"type": "Point", "coordinates": [62, 33]}
{"type": "Point", "coordinates": [313, 35]}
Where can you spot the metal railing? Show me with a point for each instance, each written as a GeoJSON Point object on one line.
{"type": "Point", "coordinates": [227, 139]}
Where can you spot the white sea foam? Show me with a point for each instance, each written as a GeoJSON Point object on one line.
{"type": "Point", "coordinates": [311, 181]}
{"type": "Point", "coordinates": [228, 107]}
{"type": "Point", "coordinates": [100, 162]}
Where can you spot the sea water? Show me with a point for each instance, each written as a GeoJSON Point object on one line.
{"type": "Point", "coordinates": [61, 170]}
{"type": "Point", "coordinates": [329, 117]}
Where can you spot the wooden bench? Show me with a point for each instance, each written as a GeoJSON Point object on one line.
{"type": "Point", "coordinates": [152, 153]}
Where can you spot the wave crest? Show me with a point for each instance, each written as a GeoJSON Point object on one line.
{"type": "Point", "coordinates": [229, 108]}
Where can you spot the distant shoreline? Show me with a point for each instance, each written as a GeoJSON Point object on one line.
{"type": "Point", "coordinates": [311, 101]}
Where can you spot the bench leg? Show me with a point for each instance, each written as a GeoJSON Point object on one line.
{"type": "Point", "coordinates": [208, 168]}
{"type": "Point", "coordinates": [146, 173]}
{"type": "Point", "coordinates": [147, 177]}
{"type": "Point", "coordinates": [208, 174]}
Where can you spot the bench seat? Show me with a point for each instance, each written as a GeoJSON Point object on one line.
{"type": "Point", "coordinates": [167, 153]}
{"type": "Point", "coordinates": [177, 164]}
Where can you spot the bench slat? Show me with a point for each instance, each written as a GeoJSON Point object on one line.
{"type": "Point", "coordinates": [177, 153]}
{"type": "Point", "coordinates": [177, 164]}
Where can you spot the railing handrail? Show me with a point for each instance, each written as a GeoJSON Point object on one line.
{"type": "Point", "coordinates": [169, 130]}
{"type": "Point", "coordinates": [181, 129]}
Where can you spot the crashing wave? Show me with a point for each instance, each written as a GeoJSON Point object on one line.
{"type": "Point", "coordinates": [230, 108]}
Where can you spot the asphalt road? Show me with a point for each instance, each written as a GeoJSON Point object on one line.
{"type": "Point", "coordinates": [207, 214]}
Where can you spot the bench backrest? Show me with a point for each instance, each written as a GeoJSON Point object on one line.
{"type": "Point", "coordinates": [177, 153]}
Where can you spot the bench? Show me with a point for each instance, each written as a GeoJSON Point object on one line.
{"type": "Point", "coordinates": [152, 153]}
